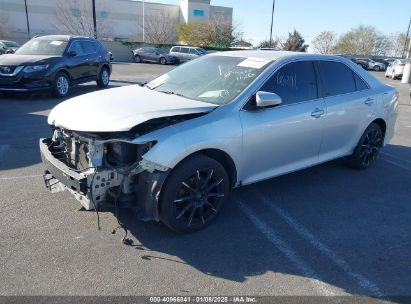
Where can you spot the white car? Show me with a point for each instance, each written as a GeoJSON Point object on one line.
{"type": "Point", "coordinates": [173, 148]}
{"type": "Point", "coordinates": [396, 69]}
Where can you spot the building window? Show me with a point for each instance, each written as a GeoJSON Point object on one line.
{"type": "Point", "coordinates": [75, 12]}
{"type": "Point", "coordinates": [103, 14]}
{"type": "Point", "coordinates": [198, 13]}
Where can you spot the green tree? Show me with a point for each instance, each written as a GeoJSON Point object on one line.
{"type": "Point", "coordinates": [325, 42]}
{"type": "Point", "coordinates": [208, 34]}
{"type": "Point", "coordinates": [266, 43]}
{"type": "Point", "coordinates": [363, 40]}
{"type": "Point", "coordinates": [295, 42]}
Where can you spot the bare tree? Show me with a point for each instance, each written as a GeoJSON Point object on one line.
{"type": "Point", "coordinates": [398, 41]}
{"type": "Point", "coordinates": [325, 42]}
{"type": "Point", "coordinates": [160, 29]}
{"type": "Point", "coordinates": [75, 17]}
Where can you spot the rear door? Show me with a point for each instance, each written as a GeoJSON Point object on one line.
{"type": "Point", "coordinates": [91, 56]}
{"type": "Point", "coordinates": [349, 108]}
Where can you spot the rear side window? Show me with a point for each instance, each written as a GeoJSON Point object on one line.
{"type": "Point", "coordinates": [294, 82]}
{"type": "Point", "coordinates": [89, 47]}
{"type": "Point", "coordinates": [359, 83]}
{"type": "Point", "coordinates": [184, 50]}
{"type": "Point", "coordinates": [336, 78]}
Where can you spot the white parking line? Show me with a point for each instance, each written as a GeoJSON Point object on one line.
{"type": "Point", "coordinates": [270, 234]}
{"type": "Point", "coordinates": [395, 157]}
{"type": "Point", "coordinates": [396, 164]}
{"type": "Point", "coordinates": [328, 252]}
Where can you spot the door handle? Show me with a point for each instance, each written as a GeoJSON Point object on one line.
{"type": "Point", "coordinates": [317, 113]}
{"type": "Point", "coordinates": [369, 101]}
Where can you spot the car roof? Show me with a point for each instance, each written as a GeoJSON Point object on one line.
{"type": "Point", "coordinates": [62, 37]}
{"type": "Point", "coordinates": [276, 55]}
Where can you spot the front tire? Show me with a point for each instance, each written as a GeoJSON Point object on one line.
{"type": "Point", "coordinates": [367, 148]}
{"type": "Point", "coordinates": [137, 59]}
{"type": "Point", "coordinates": [377, 68]}
{"type": "Point", "coordinates": [61, 86]}
{"type": "Point", "coordinates": [163, 61]}
{"type": "Point", "coordinates": [194, 194]}
{"type": "Point", "coordinates": [103, 78]}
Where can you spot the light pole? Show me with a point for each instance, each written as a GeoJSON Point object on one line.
{"type": "Point", "coordinates": [144, 24]}
{"type": "Point", "coordinates": [94, 19]}
{"type": "Point", "coordinates": [406, 39]}
{"type": "Point", "coordinates": [272, 22]}
{"type": "Point", "coordinates": [27, 19]}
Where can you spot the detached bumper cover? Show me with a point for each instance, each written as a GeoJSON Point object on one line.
{"type": "Point", "coordinates": [60, 171]}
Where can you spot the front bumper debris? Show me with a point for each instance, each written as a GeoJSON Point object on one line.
{"type": "Point", "coordinates": [95, 186]}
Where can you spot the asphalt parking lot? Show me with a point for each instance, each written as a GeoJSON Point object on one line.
{"type": "Point", "coordinates": [328, 230]}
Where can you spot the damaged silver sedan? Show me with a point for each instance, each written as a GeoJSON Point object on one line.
{"type": "Point", "coordinates": [173, 148]}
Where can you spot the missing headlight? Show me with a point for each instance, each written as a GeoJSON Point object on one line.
{"type": "Point", "coordinates": [124, 154]}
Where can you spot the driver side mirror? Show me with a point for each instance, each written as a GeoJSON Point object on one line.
{"type": "Point", "coordinates": [72, 54]}
{"type": "Point", "coordinates": [267, 99]}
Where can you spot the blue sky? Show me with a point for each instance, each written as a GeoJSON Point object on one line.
{"type": "Point", "coordinates": [310, 17]}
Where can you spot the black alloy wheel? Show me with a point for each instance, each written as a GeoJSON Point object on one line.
{"type": "Point", "coordinates": [368, 147]}
{"type": "Point", "coordinates": [194, 194]}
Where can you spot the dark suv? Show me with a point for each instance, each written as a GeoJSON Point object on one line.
{"type": "Point", "coordinates": [55, 63]}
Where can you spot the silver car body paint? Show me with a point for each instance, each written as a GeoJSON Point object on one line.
{"type": "Point", "coordinates": [262, 144]}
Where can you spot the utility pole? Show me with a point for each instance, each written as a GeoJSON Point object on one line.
{"type": "Point", "coordinates": [94, 19]}
{"type": "Point", "coordinates": [406, 39]}
{"type": "Point", "coordinates": [27, 19]}
{"type": "Point", "coordinates": [272, 23]}
{"type": "Point", "coordinates": [144, 25]}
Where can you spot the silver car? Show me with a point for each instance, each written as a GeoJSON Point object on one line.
{"type": "Point", "coordinates": [187, 53]}
{"type": "Point", "coordinates": [173, 148]}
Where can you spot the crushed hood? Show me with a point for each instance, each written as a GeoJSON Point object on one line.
{"type": "Point", "coordinates": [120, 109]}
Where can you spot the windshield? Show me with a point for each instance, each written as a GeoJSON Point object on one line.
{"type": "Point", "coordinates": [43, 47]}
{"type": "Point", "coordinates": [11, 44]}
{"type": "Point", "coordinates": [213, 79]}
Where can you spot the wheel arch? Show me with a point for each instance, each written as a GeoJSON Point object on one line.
{"type": "Point", "coordinates": [382, 124]}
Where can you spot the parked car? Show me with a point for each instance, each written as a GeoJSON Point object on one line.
{"type": "Point", "coordinates": [8, 47]}
{"type": "Point", "coordinates": [55, 63]}
{"type": "Point", "coordinates": [396, 69]}
{"type": "Point", "coordinates": [172, 149]}
{"type": "Point", "coordinates": [371, 64]}
{"type": "Point", "coordinates": [363, 62]}
{"type": "Point", "coordinates": [151, 54]}
{"type": "Point", "coordinates": [187, 53]}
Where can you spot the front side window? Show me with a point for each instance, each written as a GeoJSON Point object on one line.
{"type": "Point", "coordinates": [76, 47]}
{"type": "Point", "coordinates": [43, 47]}
{"type": "Point", "coordinates": [193, 51]}
{"type": "Point", "coordinates": [336, 78]}
{"type": "Point", "coordinates": [212, 79]}
{"type": "Point", "coordinates": [175, 49]}
{"type": "Point", "coordinates": [295, 82]}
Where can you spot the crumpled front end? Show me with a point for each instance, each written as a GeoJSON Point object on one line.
{"type": "Point", "coordinates": [99, 169]}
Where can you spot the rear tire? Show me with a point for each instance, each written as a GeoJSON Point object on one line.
{"type": "Point", "coordinates": [377, 68]}
{"type": "Point", "coordinates": [367, 148]}
{"type": "Point", "coordinates": [194, 193]}
{"type": "Point", "coordinates": [103, 78]}
{"type": "Point", "coordinates": [61, 86]}
{"type": "Point", "coordinates": [163, 61]}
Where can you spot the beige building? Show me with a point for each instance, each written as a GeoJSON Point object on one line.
{"type": "Point", "coordinates": [124, 17]}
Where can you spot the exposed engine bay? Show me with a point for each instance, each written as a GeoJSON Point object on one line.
{"type": "Point", "coordinates": [100, 168]}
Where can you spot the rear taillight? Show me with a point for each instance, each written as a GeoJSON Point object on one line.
{"type": "Point", "coordinates": [396, 96]}
{"type": "Point", "coordinates": [401, 64]}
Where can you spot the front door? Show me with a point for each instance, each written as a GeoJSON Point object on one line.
{"type": "Point", "coordinates": [287, 137]}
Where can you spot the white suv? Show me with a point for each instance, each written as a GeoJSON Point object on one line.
{"type": "Point", "coordinates": [187, 53]}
